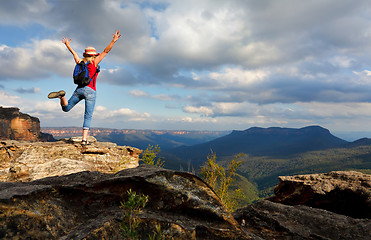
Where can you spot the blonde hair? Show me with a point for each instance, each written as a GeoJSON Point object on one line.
{"type": "Point", "coordinates": [88, 58]}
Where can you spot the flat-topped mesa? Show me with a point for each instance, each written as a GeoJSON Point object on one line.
{"type": "Point", "coordinates": [15, 125]}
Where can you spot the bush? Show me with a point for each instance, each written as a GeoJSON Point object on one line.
{"type": "Point", "coordinates": [149, 156]}
{"type": "Point", "coordinates": [132, 207]}
{"type": "Point", "coordinates": [220, 179]}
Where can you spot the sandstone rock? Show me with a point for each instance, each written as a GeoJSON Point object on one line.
{"type": "Point", "coordinates": [347, 193]}
{"type": "Point", "coordinates": [86, 205]}
{"type": "Point", "coordinates": [27, 161]}
{"type": "Point", "coordinates": [15, 125]}
{"type": "Point", "coordinates": [271, 220]}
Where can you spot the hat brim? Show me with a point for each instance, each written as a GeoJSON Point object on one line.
{"type": "Point", "coordinates": [86, 54]}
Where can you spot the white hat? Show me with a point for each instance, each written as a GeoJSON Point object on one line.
{"type": "Point", "coordinates": [90, 51]}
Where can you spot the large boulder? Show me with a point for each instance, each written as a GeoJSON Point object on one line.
{"type": "Point", "coordinates": [86, 205]}
{"type": "Point", "coordinates": [271, 220]}
{"type": "Point", "coordinates": [27, 161]}
{"type": "Point", "coordinates": [343, 192]}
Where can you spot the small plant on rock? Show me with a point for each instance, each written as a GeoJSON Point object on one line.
{"type": "Point", "coordinates": [157, 235]}
{"type": "Point", "coordinates": [132, 207]}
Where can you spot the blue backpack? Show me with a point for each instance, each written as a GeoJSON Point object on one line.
{"type": "Point", "coordinates": [81, 74]}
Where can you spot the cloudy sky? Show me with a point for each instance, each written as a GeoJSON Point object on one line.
{"type": "Point", "coordinates": [194, 64]}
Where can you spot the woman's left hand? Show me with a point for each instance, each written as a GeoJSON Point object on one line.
{"type": "Point", "coordinates": [116, 35]}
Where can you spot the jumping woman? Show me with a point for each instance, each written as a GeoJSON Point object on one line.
{"type": "Point", "coordinates": [88, 93]}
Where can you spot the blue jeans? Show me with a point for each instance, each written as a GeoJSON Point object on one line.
{"type": "Point", "coordinates": [79, 94]}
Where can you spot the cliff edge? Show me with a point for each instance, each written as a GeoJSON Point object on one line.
{"type": "Point", "coordinates": [15, 125]}
{"type": "Point", "coordinates": [24, 161]}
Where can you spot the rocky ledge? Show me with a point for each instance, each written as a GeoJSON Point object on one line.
{"type": "Point", "coordinates": [86, 205]}
{"type": "Point", "coordinates": [343, 192]}
{"type": "Point", "coordinates": [333, 205]}
{"type": "Point", "coordinates": [23, 161]}
{"type": "Point", "coordinates": [270, 220]}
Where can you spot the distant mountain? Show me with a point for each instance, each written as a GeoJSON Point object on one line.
{"type": "Point", "coordinates": [360, 142]}
{"type": "Point", "coordinates": [273, 152]}
{"type": "Point", "coordinates": [143, 139]}
{"type": "Point", "coordinates": [257, 141]}
{"type": "Point", "coordinates": [140, 138]}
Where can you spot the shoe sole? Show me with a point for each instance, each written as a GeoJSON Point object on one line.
{"type": "Point", "coordinates": [56, 94]}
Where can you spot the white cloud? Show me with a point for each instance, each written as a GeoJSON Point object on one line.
{"type": "Point", "coordinates": [28, 90]}
{"type": "Point", "coordinates": [144, 94]}
{"type": "Point", "coordinates": [336, 110]}
{"type": "Point", "coordinates": [341, 61]}
{"type": "Point", "coordinates": [237, 78]}
{"type": "Point", "coordinates": [8, 100]}
{"type": "Point", "coordinates": [163, 97]}
{"type": "Point", "coordinates": [138, 93]}
{"type": "Point", "coordinates": [206, 111]}
{"type": "Point", "coordinates": [38, 59]}
{"type": "Point", "coordinates": [20, 12]}
{"type": "Point", "coordinates": [102, 113]}
{"type": "Point", "coordinates": [363, 77]}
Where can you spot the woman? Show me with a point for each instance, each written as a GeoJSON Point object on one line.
{"type": "Point", "coordinates": [92, 59]}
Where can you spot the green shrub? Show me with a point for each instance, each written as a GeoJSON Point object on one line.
{"type": "Point", "coordinates": [132, 207]}
{"type": "Point", "coordinates": [220, 179]}
{"type": "Point", "coordinates": [149, 156]}
{"type": "Point", "coordinates": [157, 235]}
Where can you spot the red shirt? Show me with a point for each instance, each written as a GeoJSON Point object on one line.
{"type": "Point", "coordinates": [92, 69]}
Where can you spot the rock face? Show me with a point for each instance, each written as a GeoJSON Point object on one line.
{"type": "Point", "coordinates": [333, 205]}
{"type": "Point", "coordinates": [22, 161]}
{"type": "Point", "coordinates": [86, 205]}
{"type": "Point", "coordinates": [277, 221]}
{"type": "Point", "coordinates": [19, 126]}
{"type": "Point", "coordinates": [347, 193]}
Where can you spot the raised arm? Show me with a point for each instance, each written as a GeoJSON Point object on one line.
{"type": "Point", "coordinates": [100, 57]}
{"type": "Point", "coordinates": [67, 43]}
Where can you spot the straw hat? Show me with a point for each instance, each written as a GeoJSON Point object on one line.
{"type": "Point", "coordinates": [90, 51]}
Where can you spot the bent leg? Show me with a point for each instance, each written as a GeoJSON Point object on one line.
{"type": "Point", "coordinates": [74, 99]}
{"type": "Point", "coordinates": [63, 101]}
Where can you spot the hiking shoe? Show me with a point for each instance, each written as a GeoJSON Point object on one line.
{"type": "Point", "coordinates": [59, 94]}
{"type": "Point", "coordinates": [85, 143]}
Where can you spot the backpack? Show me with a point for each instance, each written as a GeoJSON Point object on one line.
{"type": "Point", "coordinates": [81, 74]}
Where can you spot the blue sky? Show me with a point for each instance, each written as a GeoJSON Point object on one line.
{"type": "Point", "coordinates": [195, 64]}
